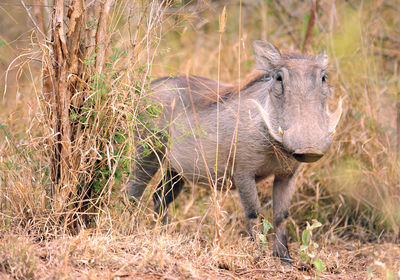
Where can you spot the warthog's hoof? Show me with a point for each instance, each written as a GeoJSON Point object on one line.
{"type": "Point", "coordinates": [284, 256]}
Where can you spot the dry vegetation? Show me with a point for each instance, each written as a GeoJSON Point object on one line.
{"type": "Point", "coordinates": [71, 219]}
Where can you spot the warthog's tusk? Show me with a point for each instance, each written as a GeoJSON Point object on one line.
{"type": "Point", "coordinates": [266, 121]}
{"type": "Point", "coordinates": [335, 117]}
{"type": "Point", "coordinates": [280, 131]}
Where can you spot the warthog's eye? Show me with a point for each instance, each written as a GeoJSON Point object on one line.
{"type": "Point", "coordinates": [278, 77]}
{"type": "Point", "coordinates": [324, 78]}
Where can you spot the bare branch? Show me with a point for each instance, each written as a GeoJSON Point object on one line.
{"type": "Point", "coordinates": [74, 34]}
{"type": "Point", "coordinates": [32, 19]}
{"type": "Point", "coordinates": [310, 26]}
{"type": "Point", "coordinates": [101, 35]}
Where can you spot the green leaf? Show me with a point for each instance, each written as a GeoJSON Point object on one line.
{"type": "Point", "coordinates": [316, 225]}
{"type": "Point", "coordinates": [262, 238]}
{"type": "Point", "coordinates": [318, 265]}
{"type": "Point", "coordinates": [267, 226]}
{"type": "Point", "coordinates": [358, 115]}
{"type": "Point", "coordinates": [73, 116]}
{"type": "Point", "coordinates": [305, 238]}
{"type": "Point", "coordinates": [390, 275]}
{"type": "Point", "coordinates": [369, 271]}
{"type": "Point", "coordinates": [303, 247]}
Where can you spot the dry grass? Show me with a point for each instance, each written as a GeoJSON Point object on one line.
{"type": "Point", "coordinates": [179, 255]}
{"type": "Point", "coordinates": [354, 191]}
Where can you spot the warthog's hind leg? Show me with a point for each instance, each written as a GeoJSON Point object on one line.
{"type": "Point", "coordinates": [144, 169]}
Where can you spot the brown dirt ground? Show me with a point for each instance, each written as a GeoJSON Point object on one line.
{"type": "Point", "coordinates": [179, 256]}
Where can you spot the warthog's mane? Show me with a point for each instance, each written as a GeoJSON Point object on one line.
{"type": "Point", "coordinates": [204, 92]}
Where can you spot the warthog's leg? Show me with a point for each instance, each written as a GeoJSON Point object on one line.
{"type": "Point", "coordinates": [144, 169]}
{"type": "Point", "coordinates": [246, 186]}
{"type": "Point", "coordinates": [167, 190]}
{"type": "Point", "coordinates": [282, 194]}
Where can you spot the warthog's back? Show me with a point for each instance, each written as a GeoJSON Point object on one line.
{"type": "Point", "coordinates": [189, 90]}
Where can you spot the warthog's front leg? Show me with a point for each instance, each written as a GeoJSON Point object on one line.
{"type": "Point", "coordinates": [167, 190]}
{"type": "Point", "coordinates": [246, 186]}
{"type": "Point", "coordinates": [284, 187]}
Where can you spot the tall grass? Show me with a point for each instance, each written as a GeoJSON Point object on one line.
{"type": "Point", "coordinates": [354, 190]}
{"type": "Point", "coordinates": [104, 117]}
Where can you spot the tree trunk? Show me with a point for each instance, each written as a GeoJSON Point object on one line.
{"type": "Point", "coordinates": [68, 75]}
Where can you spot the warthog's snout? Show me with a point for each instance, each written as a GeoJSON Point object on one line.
{"type": "Point", "coordinates": [307, 155]}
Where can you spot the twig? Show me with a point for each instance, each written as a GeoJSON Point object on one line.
{"type": "Point", "coordinates": [39, 16]}
{"type": "Point", "coordinates": [27, 5]}
{"type": "Point", "coordinates": [6, 74]}
{"type": "Point", "coordinates": [101, 35]}
{"type": "Point", "coordinates": [283, 21]}
{"type": "Point", "coordinates": [32, 19]}
{"type": "Point", "coordinates": [287, 11]}
{"type": "Point", "coordinates": [310, 26]}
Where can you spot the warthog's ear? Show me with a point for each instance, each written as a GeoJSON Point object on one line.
{"type": "Point", "coordinates": [266, 55]}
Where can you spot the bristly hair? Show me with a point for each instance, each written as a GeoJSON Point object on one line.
{"type": "Point", "coordinates": [290, 58]}
{"type": "Point", "coordinates": [205, 90]}
{"type": "Point", "coordinates": [297, 56]}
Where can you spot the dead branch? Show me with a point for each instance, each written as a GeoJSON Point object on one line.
{"type": "Point", "coordinates": [101, 35]}
{"type": "Point", "coordinates": [310, 26]}
{"type": "Point", "coordinates": [39, 16]}
{"type": "Point", "coordinates": [62, 97]}
{"type": "Point", "coordinates": [74, 36]}
{"type": "Point", "coordinates": [38, 27]}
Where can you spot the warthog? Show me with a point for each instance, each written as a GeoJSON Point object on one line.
{"type": "Point", "coordinates": [273, 122]}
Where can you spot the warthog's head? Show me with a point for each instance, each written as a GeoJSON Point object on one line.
{"type": "Point", "coordinates": [296, 109]}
